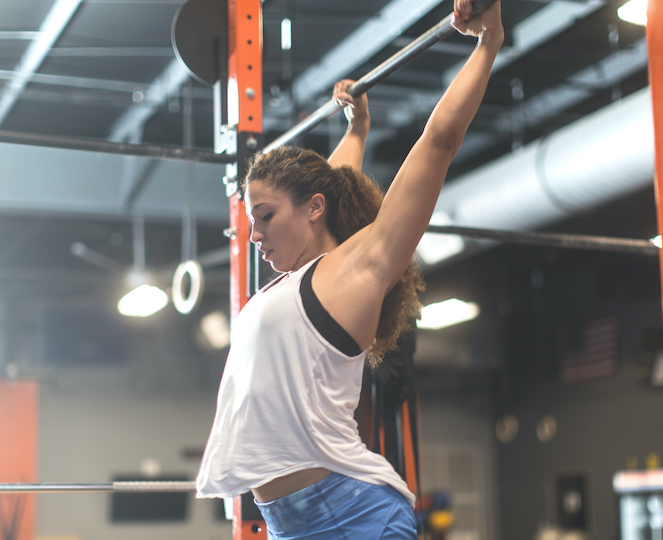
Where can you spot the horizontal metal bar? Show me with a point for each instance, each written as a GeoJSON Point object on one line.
{"type": "Point", "coordinates": [54, 488]}
{"type": "Point", "coordinates": [328, 110]}
{"type": "Point", "coordinates": [154, 487]}
{"type": "Point", "coordinates": [19, 35]}
{"type": "Point", "coordinates": [405, 55]}
{"type": "Point", "coordinates": [575, 241]}
{"type": "Point", "coordinates": [108, 147]}
{"type": "Point", "coordinates": [144, 52]}
{"type": "Point", "coordinates": [111, 487]}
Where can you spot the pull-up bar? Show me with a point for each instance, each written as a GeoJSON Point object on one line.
{"type": "Point", "coordinates": [426, 40]}
{"type": "Point", "coordinates": [108, 147]}
{"type": "Point", "coordinates": [575, 241]}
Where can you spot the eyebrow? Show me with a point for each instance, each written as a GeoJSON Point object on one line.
{"type": "Point", "coordinates": [253, 208]}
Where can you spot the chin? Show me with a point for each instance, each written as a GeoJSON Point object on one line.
{"type": "Point", "coordinates": [281, 267]}
{"type": "Point", "coordinates": [276, 266]}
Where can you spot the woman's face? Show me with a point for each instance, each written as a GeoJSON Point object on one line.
{"type": "Point", "coordinates": [281, 230]}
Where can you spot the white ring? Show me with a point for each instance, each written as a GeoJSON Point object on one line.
{"type": "Point", "coordinates": [195, 271]}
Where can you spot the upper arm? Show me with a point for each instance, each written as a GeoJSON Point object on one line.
{"type": "Point", "coordinates": [355, 277]}
{"type": "Point", "coordinates": [390, 241]}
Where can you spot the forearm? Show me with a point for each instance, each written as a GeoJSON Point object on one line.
{"type": "Point", "coordinates": [451, 117]}
{"type": "Point", "coordinates": [411, 198]}
{"type": "Point", "coordinates": [350, 150]}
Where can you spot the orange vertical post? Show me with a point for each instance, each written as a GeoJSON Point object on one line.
{"type": "Point", "coordinates": [18, 455]}
{"type": "Point", "coordinates": [244, 110]}
{"type": "Point", "coordinates": [655, 50]}
{"type": "Point", "coordinates": [409, 453]}
{"type": "Point", "coordinates": [239, 255]}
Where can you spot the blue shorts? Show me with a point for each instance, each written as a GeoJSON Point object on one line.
{"type": "Point", "coordinates": [340, 508]}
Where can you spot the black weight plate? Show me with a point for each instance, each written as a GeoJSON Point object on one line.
{"type": "Point", "coordinates": [200, 36]}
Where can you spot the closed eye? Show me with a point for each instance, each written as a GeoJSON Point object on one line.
{"type": "Point", "coordinates": [267, 217]}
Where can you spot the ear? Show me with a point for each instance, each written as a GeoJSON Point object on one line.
{"type": "Point", "coordinates": [317, 205]}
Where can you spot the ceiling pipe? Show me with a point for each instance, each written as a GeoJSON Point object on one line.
{"type": "Point", "coordinates": [592, 161]}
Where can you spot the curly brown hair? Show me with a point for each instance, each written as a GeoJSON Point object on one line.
{"type": "Point", "coordinates": [352, 200]}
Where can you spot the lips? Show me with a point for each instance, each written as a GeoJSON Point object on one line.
{"type": "Point", "coordinates": [266, 253]}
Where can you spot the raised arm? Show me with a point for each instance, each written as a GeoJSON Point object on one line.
{"type": "Point", "coordinates": [410, 200]}
{"type": "Point", "coordinates": [352, 280]}
{"type": "Point", "coordinates": [350, 149]}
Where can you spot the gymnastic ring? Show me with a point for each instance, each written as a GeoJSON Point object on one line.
{"type": "Point", "coordinates": [195, 271]}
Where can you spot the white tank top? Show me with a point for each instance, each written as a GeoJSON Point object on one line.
{"type": "Point", "coordinates": [286, 402]}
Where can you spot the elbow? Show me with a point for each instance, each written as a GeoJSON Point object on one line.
{"type": "Point", "coordinates": [447, 142]}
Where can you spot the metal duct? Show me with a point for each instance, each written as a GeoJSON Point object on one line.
{"type": "Point", "coordinates": [592, 161]}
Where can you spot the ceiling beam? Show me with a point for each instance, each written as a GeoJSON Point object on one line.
{"type": "Point", "coordinates": [165, 85]}
{"type": "Point", "coordinates": [389, 23]}
{"type": "Point", "coordinates": [19, 35]}
{"type": "Point", "coordinates": [51, 29]}
{"type": "Point", "coordinates": [75, 82]}
{"type": "Point", "coordinates": [548, 22]}
{"type": "Point", "coordinates": [606, 73]}
{"type": "Point", "coordinates": [145, 52]}
{"type": "Point", "coordinates": [549, 103]}
{"type": "Point", "coordinates": [100, 84]}
{"type": "Point", "coordinates": [441, 47]}
{"type": "Point", "coordinates": [543, 25]}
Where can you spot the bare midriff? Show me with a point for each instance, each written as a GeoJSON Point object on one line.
{"type": "Point", "coordinates": [288, 484]}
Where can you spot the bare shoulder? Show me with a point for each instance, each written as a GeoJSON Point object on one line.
{"type": "Point", "coordinates": [350, 264]}
{"type": "Point", "coordinates": [349, 290]}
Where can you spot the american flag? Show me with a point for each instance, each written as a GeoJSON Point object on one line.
{"type": "Point", "coordinates": [597, 357]}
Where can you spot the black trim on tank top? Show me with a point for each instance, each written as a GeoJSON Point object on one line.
{"type": "Point", "coordinates": [323, 322]}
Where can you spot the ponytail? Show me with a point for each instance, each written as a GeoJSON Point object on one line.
{"type": "Point", "coordinates": [358, 204]}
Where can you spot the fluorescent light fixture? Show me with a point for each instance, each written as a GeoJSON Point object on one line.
{"type": "Point", "coordinates": [216, 329]}
{"type": "Point", "coordinates": [286, 34]}
{"type": "Point", "coordinates": [447, 313]}
{"type": "Point", "coordinates": [143, 301]}
{"type": "Point", "coordinates": [634, 11]}
{"type": "Point", "coordinates": [657, 241]}
{"type": "Point", "coordinates": [435, 247]}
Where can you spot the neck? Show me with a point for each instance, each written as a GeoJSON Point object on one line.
{"type": "Point", "coordinates": [324, 244]}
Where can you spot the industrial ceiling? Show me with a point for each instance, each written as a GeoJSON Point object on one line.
{"type": "Point", "coordinates": [106, 69]}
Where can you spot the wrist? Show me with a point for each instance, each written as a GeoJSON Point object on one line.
{"type": "Point", "coordinates": [492, 38]}
{"type": "Point", "coordinates": [360, 126]}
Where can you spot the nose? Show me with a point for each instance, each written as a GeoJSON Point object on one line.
{"type": "Point", "coordinates": [256, 236]}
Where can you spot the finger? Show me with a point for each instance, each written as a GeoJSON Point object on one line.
{"type": "Point", "coordinates": [344, 98]}
{"type": "Point", "coordinates": [340, 97]}
{"type": "Point", "coordinates": [343, 85]}
{"type": "Point", "coordinates": [456, 21]}
{"type": "Point", "coordinates": [464, 9]}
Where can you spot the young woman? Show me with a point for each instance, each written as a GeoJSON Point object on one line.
{"type": "Point", "coordinates": [284, 426]}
